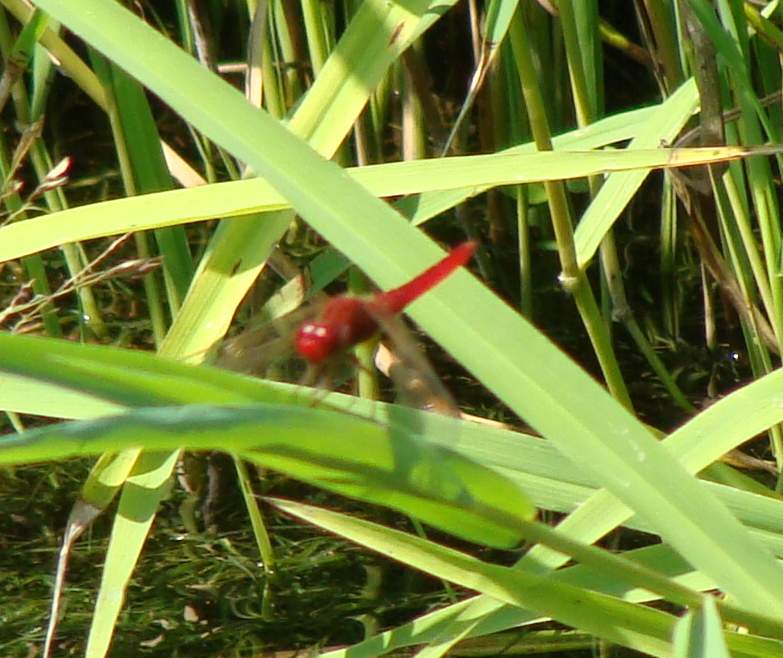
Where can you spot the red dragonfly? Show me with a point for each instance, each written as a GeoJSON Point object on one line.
{"type": "Point", "coordinates": [345, 321]}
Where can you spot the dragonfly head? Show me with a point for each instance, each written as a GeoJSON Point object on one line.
{"type": "Point", "coordinates": [316, 341]}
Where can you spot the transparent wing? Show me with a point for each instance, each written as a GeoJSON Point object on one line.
{"type": "Point", "coordinates": [265, 348]}
{"type": "Point", "coordinates": [417, 383]}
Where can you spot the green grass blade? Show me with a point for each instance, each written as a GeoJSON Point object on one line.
{"type": "Point", "coordinates": [126, 377]}
{"type": "Point", "coordinates": [249, 197]}
{"type": "Point", "coordinates": [87, 381]}
{"type": "Point", "coordinates": [520, 589]}
{"type": "Point", "coordinates": [345, 454]}
{"type": "Point", "coordinates": [148, 173]}
{"type": "Point", "coordinates": [618, 190]}
{"type": "Point", "coordinates": [642, 628]}
{"type": "Point", "coordinates": [699, 634]}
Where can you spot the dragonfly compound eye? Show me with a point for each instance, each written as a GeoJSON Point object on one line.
{"type": "Point", "coordinates": [315, 341]}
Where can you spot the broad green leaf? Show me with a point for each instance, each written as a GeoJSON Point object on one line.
{"type": "Point", "coordinates": [343, 453]}
{"type": "Point", "coordinates": [85, 381]}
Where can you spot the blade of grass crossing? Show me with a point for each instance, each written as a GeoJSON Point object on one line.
{"type": "Point", "coordinates": [665, 124]}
